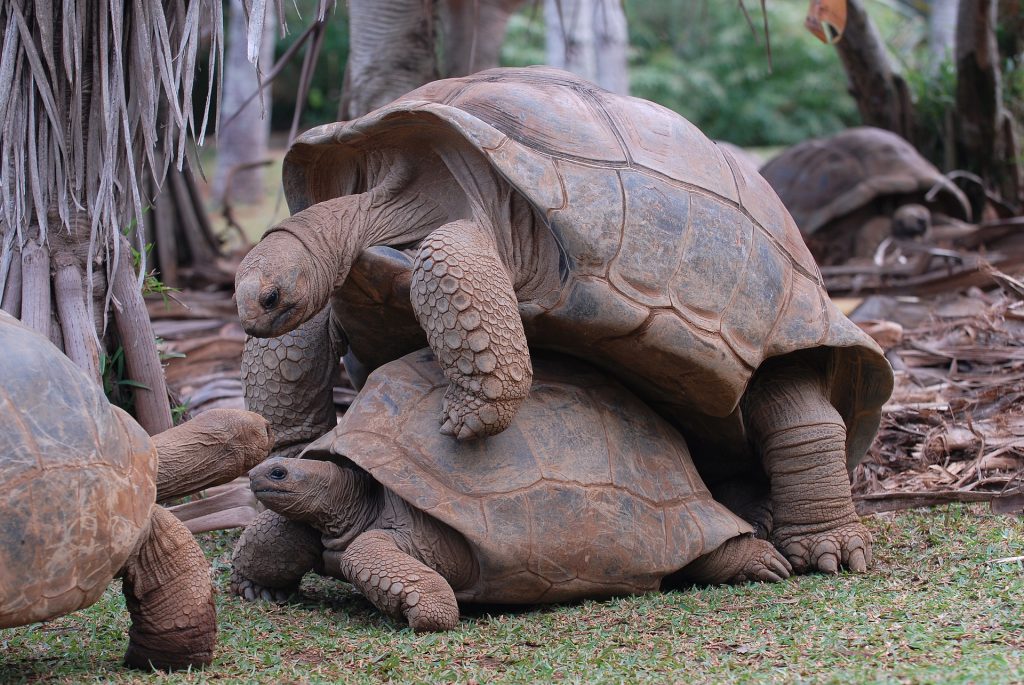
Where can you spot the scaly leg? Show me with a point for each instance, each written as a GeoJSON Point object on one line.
{"type": "Point", "coordinates": [463, 298]}
{"type": "Point", "coordinates": [289, 380]}
{"type": "Point", "coordinates": [803, 447]}
{"type": "Point", "coordinates": [739, 560]}
{"type": "Point", "coordinates": [271, 557]}
{"type": "Point", "coordinates": [396, 583]}
{"type": "Point", "coordinates": [167, 588]}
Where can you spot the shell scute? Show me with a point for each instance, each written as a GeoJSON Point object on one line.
{"type": "Point", "coordinates": [597, 202]}
{"type": "Point", "coordinates": [665, 143]}
{"type": "Point", "coordinates": [703, 286]}
{"type": "Point", "coordinates": [758, 301]}
{"type": "Point", "coordinates": [545, 116]}
{"type": "Point", "coordinates": [657, 215]}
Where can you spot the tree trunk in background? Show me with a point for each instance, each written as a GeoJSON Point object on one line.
{"type": "Point", "coordinates": [941, 30]}
{"type": "Point", "coordinates": [474, 31]}
{"type": "Point", "coordinates": [243, 137]}
{"type": "Point", "coordinates": [611, 40]}
{"type": "Point", "coordinates": [881, 94]}
{"type": "Point", "coordinates": [570, 36]}
{"type": "Point", "coordinates": [589, 38]}
{"type": "Point", "coordinates": [391, 51]}
{"type": "Point", "coordinates": [986, 140]}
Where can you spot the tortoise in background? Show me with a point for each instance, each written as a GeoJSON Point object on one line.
{"type": "Point", "coordinates": [527, 208]}
{"type": "Point", "coordinates": [78, 508]}
{"type": "Point", "coordinates": [588, 493]}
{"type": "Point", "coordinates": [850, 191]}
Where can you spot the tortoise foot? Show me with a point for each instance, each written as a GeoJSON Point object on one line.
{"type": "Point", "coordinates": [847, 546]}
{"type": "Point", "coordinates": [251, 591]}
{"type": "Point", "coordinates": [763, 563]}
{"type": "Point", "coordinates": [465, 416]}
{"type": "Point", "coordinates": [147, 658]}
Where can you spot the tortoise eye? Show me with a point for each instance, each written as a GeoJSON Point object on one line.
{"type": "Point", "coordinates": [269, 299]}
{"type": "Point", "coordinates": [278, 473]}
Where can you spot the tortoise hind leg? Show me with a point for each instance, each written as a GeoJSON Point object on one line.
{"type": "Point", "coordinates": [396, 583]}
{"type": "Point", "coordinates": [271, 557]}
{"type": "Point", "coordinates": [464, 299]}
{"type": "Point", "coordinates": [740, 559]}
{"type": "Point", "coordinates": [802, 440]}
{"type": "Point", "coordinates": [167, 588]}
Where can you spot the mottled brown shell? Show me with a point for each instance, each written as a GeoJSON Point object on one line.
{"type": "Point", "coordinates": [587, 493]}
{"type": "Point", "coordinates": [824, 179]}
{"type": "Point", "coordinates": [683, 271]}
{"type": "Point", "coordinates": [78, 482]}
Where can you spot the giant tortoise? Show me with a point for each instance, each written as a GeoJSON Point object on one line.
{"type": "Point", "coordinates": [588, 493]}
{"type": "Point", "coordinates": [80, 478]}
{"type": "Point", "coordinates": [849, 191]}
{"type": "Point", "coordinates": [537, 207]}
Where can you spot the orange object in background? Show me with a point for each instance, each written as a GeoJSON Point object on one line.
{"type": "Point", "coordinates": [826, 19]}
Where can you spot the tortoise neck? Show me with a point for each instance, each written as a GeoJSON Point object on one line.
{"type": "Point", "coordinates": [350, 504]}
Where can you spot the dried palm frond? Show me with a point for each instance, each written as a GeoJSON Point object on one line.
{"type": "Point", "coordinates": [96, 100]}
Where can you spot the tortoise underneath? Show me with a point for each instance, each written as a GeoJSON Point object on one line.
{"type": "Point", "coordinates": [588, 493]}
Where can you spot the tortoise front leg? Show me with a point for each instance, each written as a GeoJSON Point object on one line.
{"type": "Point", "coordinates": [289, 380]}
{"type": "Point", "coordinates": [167, 589]}
{"type": "Point", "coordinates": [463, 298]}
{"type": "Point", "coordinates": [803, 448]}
{"type": "Point", "coordinates": [399, 585]}
{"type": "Point", "coordinates": [271, 557]}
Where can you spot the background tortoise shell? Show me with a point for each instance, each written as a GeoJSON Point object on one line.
{"type": "Point", "coordinates": [823, 179]}
{"type": "Point", "coordinates": [79, 482]}
{"type": "Point", "coordinates": [682, 270]}
{"type": "Point", "coordinates": [587, 493]}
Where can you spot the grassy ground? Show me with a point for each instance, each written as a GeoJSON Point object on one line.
{"type": "Point", "coordinates": [938, 606]}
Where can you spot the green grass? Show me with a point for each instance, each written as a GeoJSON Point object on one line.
{"type": "Point", "coordinates": [935, 608]}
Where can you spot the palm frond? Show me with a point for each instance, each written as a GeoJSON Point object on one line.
{"type": "Point", "coordinates": [96, 101]}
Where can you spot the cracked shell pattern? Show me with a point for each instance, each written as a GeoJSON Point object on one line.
{"type": "Point", "coordinates": [464, 300]}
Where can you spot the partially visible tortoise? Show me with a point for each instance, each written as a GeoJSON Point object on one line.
{"type": "Point", "coordinates": [80, 478]}
{"type": "Point", "coordinates": [528, 205]}
{"type": "Point", "coordinates": [849, 191]}
{"type": "Point", "coordinates": [588, 493]}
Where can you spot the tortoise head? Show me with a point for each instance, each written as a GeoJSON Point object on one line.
{"type": "Point", "coordinates": [295, 488]}
{"type": "Point", "coordinates": [911, 221]}
{"type": "Point", "coordinates": [288, 277]}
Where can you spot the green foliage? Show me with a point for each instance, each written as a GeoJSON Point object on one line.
{"type": "Point", "coordinates": [325, 91]}
{"type": "Point", "coordinates": [702, 60]}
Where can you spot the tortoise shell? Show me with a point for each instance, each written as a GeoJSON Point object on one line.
{"type": "Point", "coordinates": [682, 271]}
{"type": "Point", "coordinates": [587, 493]}
{"type": "Point", "coordinates": [823, 179]}
{"type": "Point", "coordinates": [79, 481]}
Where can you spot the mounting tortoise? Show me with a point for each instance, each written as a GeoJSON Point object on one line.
{"type": "Point", "coordinates": [78, 508]}
{"type": "Point", "coordinates": [850, 191]}
{"type": "Point", "coordinates": [587, 493]}
{"type": "Point", "coordinates": [527, 205]}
